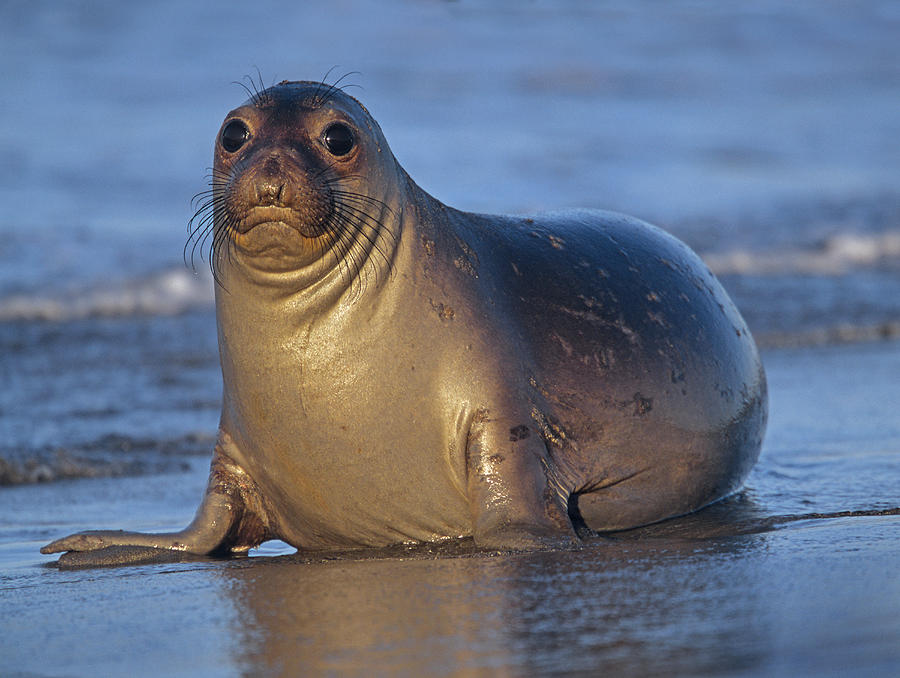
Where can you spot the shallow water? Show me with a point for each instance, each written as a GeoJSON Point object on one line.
{"type": "Point", "coordinates": [764, 135]}
{"type": "Point", "coordinates": [747, 605]}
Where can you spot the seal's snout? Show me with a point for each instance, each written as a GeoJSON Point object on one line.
{"type": "Point", "coordinates": [269, 188]}
{"type": "Point", "coordinates": [270, 192]}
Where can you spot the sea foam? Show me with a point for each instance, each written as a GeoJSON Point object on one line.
{"type": "Point", "coordinates": [166, 292]}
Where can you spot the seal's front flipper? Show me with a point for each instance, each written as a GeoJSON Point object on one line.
{"type": "Point", "coordinates": [514, 503]}
{"type": "Point", "coordinates": [206, 534]}
{"type": "Point", "coordinates": [230, 519]}
{"type": "Point", "coordinates": [121, 555]}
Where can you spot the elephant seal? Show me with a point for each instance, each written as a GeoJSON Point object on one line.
{"type": "Point", "coordinates": [396, 370]}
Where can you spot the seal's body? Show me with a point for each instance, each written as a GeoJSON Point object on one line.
{"type": "Point", "coordinates": [397, 370]}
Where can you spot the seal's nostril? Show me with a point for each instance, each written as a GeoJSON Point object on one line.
{"type": "Point", "coordinates": [269, 182]}
{"type": "Point", "coordinates": [269, 192]}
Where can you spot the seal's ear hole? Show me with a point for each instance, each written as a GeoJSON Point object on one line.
{"type": "Point", "coordinates": [338, 139]}
{"type": "Point", "coordinates": [234, 135]}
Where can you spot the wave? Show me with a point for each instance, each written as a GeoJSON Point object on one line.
{"type": "Point", "coordinates": [841, 333]}
{"type": "Point", "coordinates": [836, 255]}
{"type": "Point", "coordinates": [109, 457]}
{"type": "Point", "coordinates": [166, 292]}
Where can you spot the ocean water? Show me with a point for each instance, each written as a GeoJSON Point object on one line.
{"type": "Point", "coordinates": [766, 135]}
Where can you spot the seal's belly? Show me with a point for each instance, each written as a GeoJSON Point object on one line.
{"type": "Point", "coordinates": [360, 492]}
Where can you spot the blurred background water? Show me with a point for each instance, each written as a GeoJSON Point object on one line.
{"type": "Point", "coordinates": [766, 135]}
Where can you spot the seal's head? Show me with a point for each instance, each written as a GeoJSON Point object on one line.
{"type": "Point", "coordinates": [301, 182]}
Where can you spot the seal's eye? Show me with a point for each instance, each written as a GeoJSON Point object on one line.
{"type": "Point", "coordinates": [338, 139]}
{"type": "Point", "coordinates": [234, 135]}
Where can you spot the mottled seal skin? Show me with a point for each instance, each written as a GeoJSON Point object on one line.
{"type": "Point", "coordinates": [397, 370]}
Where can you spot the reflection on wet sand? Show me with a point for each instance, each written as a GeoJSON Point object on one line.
{"type": "Point", "coordinates": [381, 615]}
{"type": "Point", "coordinates": [633, 604]}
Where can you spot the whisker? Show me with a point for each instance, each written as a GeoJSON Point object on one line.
{"type": "Point", "coordinates": [333, 88]}
{"type": "Point", "coordinates": [359, 208]}
{"type": "Point", "coordinates": [363, 200]}
{"type": "Point", "coordinates": [255, 89]}
{"type": "Point", "coordinates": [263, 96]}
{"type": "Point", "coordinates": [362, 223]}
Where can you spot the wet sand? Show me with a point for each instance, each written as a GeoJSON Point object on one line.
{"type": "Point", "coordinates": [797, 575]}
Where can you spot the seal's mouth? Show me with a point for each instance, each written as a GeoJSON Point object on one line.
{"type": "Point", "coordinates": [273, 237]}
{"type": "Point", "coordinates": [269, 214]}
